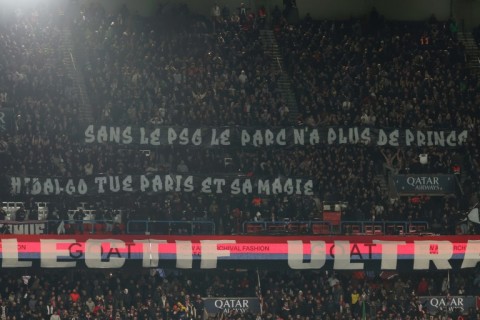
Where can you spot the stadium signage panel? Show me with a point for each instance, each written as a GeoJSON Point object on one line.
{"type": "Point", "coordinates": [437, 304]}
{"type": "Point", "coordinates": [209, 252]}
{"type": "Point", "coordinates": [226, 305]}
{"type": "Point", "coordinates": [153, 184]}
{"type": "Point", "coordinates": [271, 137]}
{"type": "Point", "coordinates": [430, 184]}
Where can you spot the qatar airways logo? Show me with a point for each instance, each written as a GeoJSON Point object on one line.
{"type": "Point", "coordinates": [298, 254]}
{"type": "Point", "coordinates": [422, 183]}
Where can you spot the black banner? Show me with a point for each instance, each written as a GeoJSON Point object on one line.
{"type": "Point", "coordinates": [448, 304]}
{"type": "Point", "coordinates": [226, 305]}
{"type": "Point", "coordinates": [152, 184]}
{"type": "Point", "coordinates": [429, 184]}
{"type": "Point", "coordinates": [7, 120]}
{"type": "Point", "coordinates": [271, 137]}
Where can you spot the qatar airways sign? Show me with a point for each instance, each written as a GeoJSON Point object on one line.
{"type": "Point", "coordinates": [208, 252]}
{"type": "Point", "coordinates": [227, 305]}
{"type": "Point", "coordinates": [430, 184]}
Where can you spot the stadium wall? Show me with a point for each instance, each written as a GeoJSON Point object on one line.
{"type": "Point", "coordinates": [393, 9]}
{"type": "Point", "coordinates": [465, 11]}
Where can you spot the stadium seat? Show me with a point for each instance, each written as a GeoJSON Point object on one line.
{"type": "Point", "coordinates": [320, 229]}
{"type": "Point", "coordinates": [368, 230]}
{"type": "Point", "coordinates": [412, 229]}
{"type": "Point", "coordinates": [355, 229]}
{"type": "Point", "coordinates": [378, 230]}
{"type": "Point", "coordinates": [254, 228]}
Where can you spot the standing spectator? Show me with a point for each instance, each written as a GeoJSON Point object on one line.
{"type": "Point", "coordinates": [79, 216]}
{"type": "Point", "coordinates": [3, 214]}
{"type": "Point", "coordinates": [74, 296]}
{"type": "Point", "coordinates": [216, 16]}
{"type": "Point", "coordinates": [116, 229]}
{"type": "Point", "coordinates": [262, 17]}
{"type": "Point", "coordinates": [59, 218]}
{"type": "Point", "coordinates": [422, 289]}
{"type": "Point", "coordinates": [108, 218]}
{"type": "Point", "coordinates": [55, 316]}
{"type": "Point", "coordinates": [242, 13]}
{"type": "Point", "coordinates": [355, 302]}
{"type": "Point", "coordinates": [33, 215]}
{"type": "Point", "coordinates": [20, 214]}
{"type": "Point", "coordinates": [242, 78]}
{"type": "Point", "coordinates": [90, 304]}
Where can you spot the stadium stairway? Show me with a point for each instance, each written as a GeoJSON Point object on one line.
{"type": "Point", "coordinates": [70, 63]}
{"type": "Point", "coordinates": [270, 47]}
{"type": "Point", "coordinates": [472, 52]}
{"type": "Point", "coordinates": [472, 56]}
{"type": "Point", "coordinates": [387, 185]}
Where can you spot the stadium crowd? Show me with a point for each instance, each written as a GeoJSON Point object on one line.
{"type": "Point", "coordinates": [182, 71]}
{"type": "Point", "coordinates": [163, 294]}
{"type": "Point", "coordinates": [185, 70]}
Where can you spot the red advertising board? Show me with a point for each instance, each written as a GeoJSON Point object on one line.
{"type": "Point", "coordinates": [207, 252]}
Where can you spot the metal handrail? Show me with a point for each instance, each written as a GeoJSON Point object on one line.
{"type": "Point", "coordinates": [387, 227]}
{"type": "Point", "coordinates": [285, 226]}
{"type": "Point", "coordinates": [191, 227]}
{"type": "Point", "coordinates": [166, 227]}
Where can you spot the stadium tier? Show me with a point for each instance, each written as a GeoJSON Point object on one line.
{"type": "Point", "coordinates": [163, 161]}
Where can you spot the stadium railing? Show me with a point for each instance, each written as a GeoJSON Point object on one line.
{"type": "Point", "coordinates": [203, 227]}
